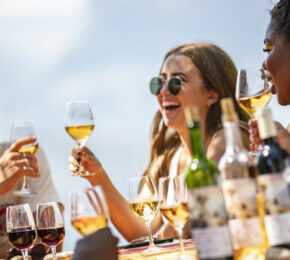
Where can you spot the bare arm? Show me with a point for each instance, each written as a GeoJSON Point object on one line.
{"type": "Point", "coordinates": [122, 217]}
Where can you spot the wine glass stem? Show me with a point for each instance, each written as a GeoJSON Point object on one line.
{"type": "Point", "coordinates": [151, 242]}
{"type": "Point", "coordinates": [24, 253]}
{"type": "Point", "coordinates": [179, 232]}
{"type": "Point", "coordinates": [53, 250]}
{"type": "Point", "coordinates": [24, 185]}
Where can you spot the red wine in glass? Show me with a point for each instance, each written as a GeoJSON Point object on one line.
{"type": "Point", "coordinates": [51, 236]}
{"type": "Point", "coordinates": [22, 238]}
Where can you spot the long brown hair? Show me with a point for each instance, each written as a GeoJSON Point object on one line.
{"type": "Point", "coordinates": [219, 74]}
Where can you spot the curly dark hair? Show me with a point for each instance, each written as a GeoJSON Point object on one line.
{"type": "Point", "coordinates": [281, 14]}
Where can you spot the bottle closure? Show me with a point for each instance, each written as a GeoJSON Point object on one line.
{"type": "Point", "coordinates": [266, 125]}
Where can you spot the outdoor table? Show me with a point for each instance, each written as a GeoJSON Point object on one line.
{"type": "Point", "coordinates": [167, 251]}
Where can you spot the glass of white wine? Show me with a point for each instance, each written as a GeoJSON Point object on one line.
{"type": "Point", "coordinates": [173, 206]}
{"type": "Point", "coordinates": [89, 211]}
{"type": "Point", "coordinates": [21, 130]}
{"type": "Point", "coordinates": [79, 124]}
{"type": "Point", "coordinates": [253, 90]}
{"type": "Point", "coordinates": [144, 203]}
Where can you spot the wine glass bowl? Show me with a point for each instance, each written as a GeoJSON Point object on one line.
{"type": "Point", "coordinates": [21, 130]}
{"type": "Point", "coordinates": [20, 228]}
{"type": "Point", "coordinates": [50, 225]}
{"type": "Point", "coordinates": [173, 206]}
{"type": "Point", "coordinates": [89, 211]}
{"type": "Point", "coordinates": [252, 90]}
{"type": "Point", "coordinates": [79, 124]}
{"type": "Point", "coordinates": [144, 203]}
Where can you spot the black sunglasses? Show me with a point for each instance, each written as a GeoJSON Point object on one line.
{"type": "Point", "coordinates": [174, 85]}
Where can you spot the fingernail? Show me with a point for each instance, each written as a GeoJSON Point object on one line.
{"type": "Point", "coordinates": [79, 153]}
{"type": "Point", "coordinates": [79, 159]}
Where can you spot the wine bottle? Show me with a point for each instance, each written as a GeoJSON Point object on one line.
{"type": "Point", "coordinates": [205, 201]}
{"type": "Point", "coordinates": [273, 187]}
{"type": "Point", "coordinates": [245, 214]}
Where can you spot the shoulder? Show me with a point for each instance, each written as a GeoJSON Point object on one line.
{"type": "Point", "coordinates": [216, 147]}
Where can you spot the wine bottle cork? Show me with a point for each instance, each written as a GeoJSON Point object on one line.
{"type": "Point", "coordinates": [266, 125]}
{"type": "Point", "coordinates": [191, 114]}
{"type": "Point", "coordinates": [228, 110]}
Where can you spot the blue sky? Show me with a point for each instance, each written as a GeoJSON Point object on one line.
{"type": "Point", "coordinates": [52, 51]}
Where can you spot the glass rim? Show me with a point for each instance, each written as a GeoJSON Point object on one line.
{"type": "Point", "coordinates": [77, 101]}
{"type": "Point", "coordinates": [20, 206]}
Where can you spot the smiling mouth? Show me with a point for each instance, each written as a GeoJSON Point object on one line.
{"type": "Point", "coordinates": [170, 106]}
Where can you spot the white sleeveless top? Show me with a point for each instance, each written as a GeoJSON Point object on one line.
{"type": "Point", "coordinates": [173, 170]}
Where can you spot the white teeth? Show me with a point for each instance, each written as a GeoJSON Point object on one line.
{"type": "Point", "coordinates": [169, 103]}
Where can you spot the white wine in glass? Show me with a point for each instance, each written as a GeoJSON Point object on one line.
{"type": "Point", "coordinates": [252, 90]}
{"type": "Point", "coordinates": [173, 206]}
{"type": "Point", "coordinates": [144, 203]}
{"type": "Point", "coordinates": [21, 130]}
{"type": "Point", "coordinates": [89, 211]}
{"type": "Point", "coordinates": [79, 124]}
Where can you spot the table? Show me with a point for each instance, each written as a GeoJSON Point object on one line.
{"type": "Point", "coordinates": [168, 251]}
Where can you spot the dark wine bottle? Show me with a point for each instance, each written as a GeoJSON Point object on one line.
{"type": "Point", "coordinates": [273, 187]}
{"type": "Point", "coordinates": [205, 201]}
{"type": "Point", "coordinates": [240, 191]}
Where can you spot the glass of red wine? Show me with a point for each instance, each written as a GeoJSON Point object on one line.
{"type": "Point", "coordinates": [50, 225]}
{"type": "Point", "coordinates": [20, 228]}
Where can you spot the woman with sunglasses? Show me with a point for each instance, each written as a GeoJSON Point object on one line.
{"type": "Point", "coordinates": [277, 63]}
{"type": "Point", "coordinates": [197, 74]}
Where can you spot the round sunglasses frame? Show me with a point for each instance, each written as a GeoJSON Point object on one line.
{"type": "Point", "coordinates": [174, 85]}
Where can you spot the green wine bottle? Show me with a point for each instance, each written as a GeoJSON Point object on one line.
{"type": "Point", "coordinates": [205, 201]}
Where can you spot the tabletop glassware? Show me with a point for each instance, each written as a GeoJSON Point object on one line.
{"type": "Point", "coordinates": [21, 130]}
{"type": "Point", "coordinates": [50, 225]}
{"type": "Point", "coordinates": [88, 210]}
{"type": "Point", "coordinates": [20, 228]}
{"type": "Point", "coordinates": [144, 203]}
{"type": "Point", "coordinates": [252, 91]}
{"type": "Point", "coordinates": [79, 124]}
{"type": "Point", "coordinates": [173, 205]}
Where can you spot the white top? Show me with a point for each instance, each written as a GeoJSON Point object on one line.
{"type": "Point", "coordinates": [43, 186]}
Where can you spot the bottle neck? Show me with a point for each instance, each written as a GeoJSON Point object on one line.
{"type": "Point", "coordinates": [270, 141]}
{"type": "Point", "coordinates": [197, 146]}
{"type": "Point", "coordinates": [233, 137]}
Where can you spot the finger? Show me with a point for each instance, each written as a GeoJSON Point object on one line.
{"type": "Point", "coordinates": [253, 123]}
{"type": "Point", "coordinates": [27, 171]}
{"type": "Point", "coordinates": [72, 168]}
{"type": "Point", "coordinates": [27, 163]}
{"type": "Point", "coordinates": [19, 143]}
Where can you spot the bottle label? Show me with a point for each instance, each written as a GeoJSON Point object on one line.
{"type": "Point", "coordinates": [241, 204]}
{"type": "Point", "coordinates": [276, 201]}
{"type": "Point", "coordinates": [209, 222]}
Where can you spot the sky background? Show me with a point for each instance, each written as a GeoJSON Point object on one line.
{"type": "Point", "coordinates": [53, 51]}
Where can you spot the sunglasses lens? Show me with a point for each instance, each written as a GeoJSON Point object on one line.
{"type": "Point", "coordinates": [174, 86]}
{"type": "Point", "coordinates": [155, 85]}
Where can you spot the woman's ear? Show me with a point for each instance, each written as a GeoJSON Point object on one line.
{"type": "Point", "coordinates": [213, 97]}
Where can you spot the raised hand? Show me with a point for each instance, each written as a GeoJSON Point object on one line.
{"type": "Point", "coordinates": [14, 165]}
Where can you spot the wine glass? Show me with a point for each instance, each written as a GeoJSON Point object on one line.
{"type": "Point", "coordinates": [253, 91]}
{"type": "Point", "coordinates": [144, 203]}
{"type": "Point", "coordinates": [89, 211]}
{"type": "Point", "coordinates": [79, 124]}
{"type": "Point", "coordinates": [50, 225]}
{"type": "Point", "coordinates": [173, 199]}
{"type": "Point", "coordinates": [20, 228]}
{"type": "Point", "coordinates": [21, 130]}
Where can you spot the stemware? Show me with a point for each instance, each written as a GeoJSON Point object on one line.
{"type": "Point", "coordinates": [144, 203]}
{"type": "Point", "coordinates": [20, 228]}
{"type": "Point", "coordinates": [21, 130]}
{"type": "Point", "coordinates": [79, 124]}
{"type": "Point", "coordinates": [50, 225]}
{"type": "Point", "coordinates": [89, 211]}
{"type": "Point", "coordinates": [173, 199]}
{"type": "Point", "coordinates": [253, 91]}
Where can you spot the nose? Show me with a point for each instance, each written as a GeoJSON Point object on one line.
{"type": "Point", "coordinates": [164, 89]}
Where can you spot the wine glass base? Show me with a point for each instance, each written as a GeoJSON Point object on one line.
{"type": "Point", "coordinates": [83, 174]}
{"type": "Point", "coordinates": [24, 193]}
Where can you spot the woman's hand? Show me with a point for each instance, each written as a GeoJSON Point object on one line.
{"type": "Point", "coordinates": [14, 165]}
{"type": "Point", "coordinates": [85, 157]}
{"type": "Point", "coordinates": [283, 136]}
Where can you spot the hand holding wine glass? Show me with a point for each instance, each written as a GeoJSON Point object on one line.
{"type": "Point", "coordinates": [50, 225]}
{"type": "Point", "coordinates": [144, 203]}
{"type": "Point", "coordinates": [20, 228]}
{"type": "Point", "coordinates": [79, 124]}
{"type": "Point", "coordinates": [21, 130]}
{"type": "Point", "coordinates": [253, 91]}
{"type": "Point", "coordinates": [89, 211]}
{"type": "Point", "coordinates": [173, 199]}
